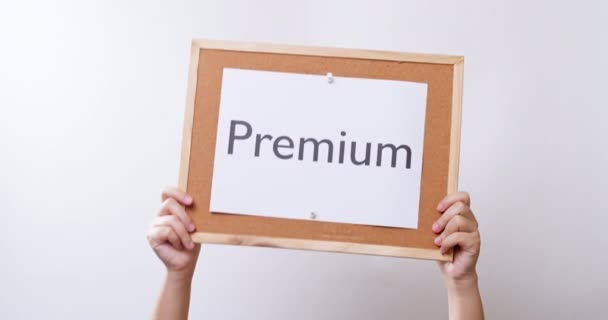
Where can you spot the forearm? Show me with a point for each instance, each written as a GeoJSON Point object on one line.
{"type": "Point", "coordinates": [174, 299]}
{"type": "Point", "coordinates": [464, 300]}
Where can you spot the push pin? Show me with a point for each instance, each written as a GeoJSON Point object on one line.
{"type": "Point", "coordinates": [330, 78]}
{"type": "Point", "coordinates": [313, 215]}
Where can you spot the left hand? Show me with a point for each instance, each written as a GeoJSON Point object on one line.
{"type": "Point", "coordinates": [457, 229]}
{"type": "Point", "coordinates": [170, 235]}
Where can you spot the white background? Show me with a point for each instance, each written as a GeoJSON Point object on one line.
{"type": "Point", "coordinates": [306, 106]}
{"type": "Point", "coordinates": [91, 107]}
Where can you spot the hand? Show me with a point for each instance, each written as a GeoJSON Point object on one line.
{"type": "Point", "coordinates": [457, 229]}
{"type": "Point", "coordinates": [169, 234]}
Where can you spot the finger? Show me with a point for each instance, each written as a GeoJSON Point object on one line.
{"type": "Point", "coordinates": [468, 241]}
{"type": "Point", "coordinates": [452, 198]}
{"type": "Point", "coordinates": [458, 208]}
{"type": "Point", "coordinates": [177, 194]}
{"type": "Point", "coordinates": [178, 228]}
{"type": "Point", "coordinates": [174, 239]}
{"type": "Point", "coordinates": [457, 224]}
{"type": "Point", "coordinates": [171, 207]}
{"type": "Point", "coordinates": [162, 234]}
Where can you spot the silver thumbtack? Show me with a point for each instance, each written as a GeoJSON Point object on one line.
{"type": "Point", "coordinates": [330, 78]}
{"type": "Point", "coordinates": [313, 215]}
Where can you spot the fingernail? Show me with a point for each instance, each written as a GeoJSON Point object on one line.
{"type": "Point", "coordinates": [438, 241]}
{"type": "Point", "coordinates": [440, 207]}
{"type": "Point", "coordinates": [435, 227]}
{"type": "Point", "coordinates": [191, 227]}
{"type": "Point", "coordinates": [191, 245]}
{"type": "Point", "coordinates": [187, 199]}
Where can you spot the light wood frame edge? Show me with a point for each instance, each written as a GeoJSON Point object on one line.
{"type": "Point", "coordinates": [329, 52]}
{"type": "Point", "coordinates": [319, 245]}
{"type": "Point", "coordinates": [454, 164]}
{"type": "Point", "coordinates": [189, 117]}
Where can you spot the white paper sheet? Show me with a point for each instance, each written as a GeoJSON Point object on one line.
{"type": "Point", "coordinates": [308, 106]}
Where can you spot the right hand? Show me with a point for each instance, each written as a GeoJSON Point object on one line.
{"type": "Point", "coordinates": [169, 234]}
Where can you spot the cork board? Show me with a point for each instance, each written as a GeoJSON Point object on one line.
{"type": "Point", "coordinates": [443, 75]}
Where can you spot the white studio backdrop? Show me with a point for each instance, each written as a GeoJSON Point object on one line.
{"type": "Point", "coordinates": [92, 97]}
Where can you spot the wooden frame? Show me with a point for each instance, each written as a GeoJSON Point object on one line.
{"type": "Point", "coordinates": [452, 66]}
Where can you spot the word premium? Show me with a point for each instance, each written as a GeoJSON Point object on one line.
{"type": "Point", "coordinates": [284, 147]}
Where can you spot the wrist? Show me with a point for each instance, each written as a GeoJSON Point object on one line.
{"type": "Point", "coordinates": [179, 277]}
{"type": "Point", "coordinates": [462, 284]}
{"type": "Point", "coordinates": [464, 298]}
